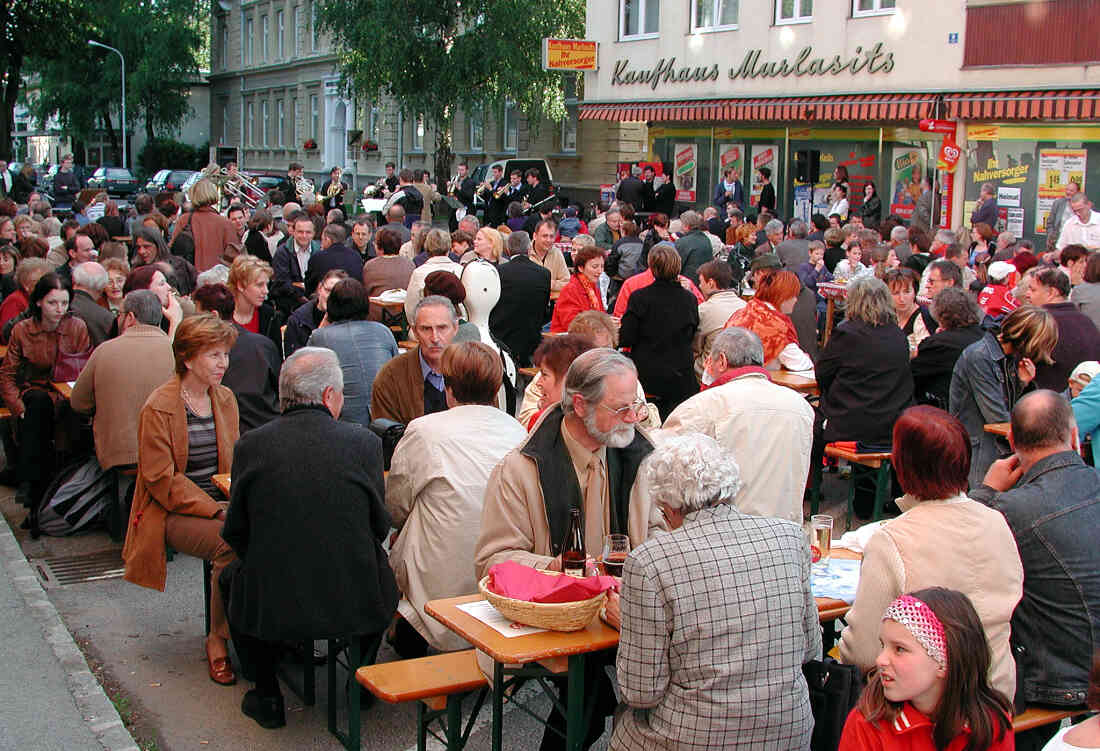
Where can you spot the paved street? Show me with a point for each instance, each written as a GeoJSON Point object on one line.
{"type": "Point", "coordinates": [147, 647]}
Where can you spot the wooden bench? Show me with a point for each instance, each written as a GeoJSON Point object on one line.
{"type": "Point", "coordinates": [1034, 717]}
{"type": "Point", "coordinates": [439, 684]}
{"type": "Point", "coordinates": [879, 462]}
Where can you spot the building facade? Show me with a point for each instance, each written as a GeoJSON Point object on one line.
{"type": "Point", "coordinates": [275, 95]}
{"type": "Point", "coordinates": [805, 86]}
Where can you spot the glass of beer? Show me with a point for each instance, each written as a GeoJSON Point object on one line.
{"type": "Point", "coordinates": [821, 539]}
{"type": "Point", "coordinates": [615, 550]}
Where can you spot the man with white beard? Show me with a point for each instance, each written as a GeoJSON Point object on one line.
{"type": "Point", "coordinates": [584, 453]}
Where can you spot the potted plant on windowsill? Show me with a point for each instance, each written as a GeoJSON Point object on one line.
{"type": "Point", "coordinates": [310, 145]}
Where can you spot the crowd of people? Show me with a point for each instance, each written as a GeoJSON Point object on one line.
{"type": "Point", "coordinates": [253, 343]}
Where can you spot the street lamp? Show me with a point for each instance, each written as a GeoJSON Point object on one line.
{"type": "Point", "coordinates": [93, 43]}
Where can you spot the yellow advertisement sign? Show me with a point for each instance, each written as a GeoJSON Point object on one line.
{"type": "Point", "coordinates": [570, 54]}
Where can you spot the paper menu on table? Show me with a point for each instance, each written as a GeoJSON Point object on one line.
{"type": "Point", "coordinates": [484, 611]}
{"type": "Point", "coordinates": [71, 383]}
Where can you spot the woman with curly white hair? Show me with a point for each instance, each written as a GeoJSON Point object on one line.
{"type": "Point", "coordinates": [717, 617]}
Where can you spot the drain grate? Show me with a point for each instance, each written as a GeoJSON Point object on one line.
{"type": "Point", "coordinates": [75, 569]}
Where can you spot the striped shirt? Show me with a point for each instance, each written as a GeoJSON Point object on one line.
{"type": "Point", "coordinates": [202, 452]}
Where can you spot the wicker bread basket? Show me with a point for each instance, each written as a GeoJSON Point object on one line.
{"type": "Point", "coordinates": [556, 616]}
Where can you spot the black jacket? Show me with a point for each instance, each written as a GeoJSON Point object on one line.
{"type": "Point", "coordinates": [302, 322]}
{"type": "Point", "coordinates": [520, 313]}
{"type": "Point", "coordinates": [337, 256]}
{"type": "Point", "coordinates": [307, 519]}
{"type": "Point", "coordinates": [664, 199]}
{"type": "Point", "coordinates": [659, 325]}
{"type": "Point", "coordinates": [767, 199]}
{"type": "Point", "coordinates": [21, 188]}
{"type": "Point", "coordinates": [632, 191]}
{"type": "Point", "coordinates": [253, 377]}
{"type": "Point", "coordinates": [935, 361]}
{"type": "Point", "coordinates": [865, 381]}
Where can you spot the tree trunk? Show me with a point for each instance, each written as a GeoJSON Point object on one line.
{"type": "Point", "coordinates": [444, 154]}
{"type": "Point", "coordinates": [116, 147]}
{"type": "Point", "coordinates": [7, 111]}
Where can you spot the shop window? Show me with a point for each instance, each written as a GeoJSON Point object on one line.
{"type": "Point", "coordinates": [794, 11]}
{"type": "Point", "coordinates": [714, 15]}
{"type": "Point", "coordinates": [639, 19]}
{"type": "Point", "coordinates": [873, 7]}
{"type": "Point", "coordinates": [476, 119]}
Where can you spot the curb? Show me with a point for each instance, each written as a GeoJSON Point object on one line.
{"type": "Point", "coordinates": [98, 711]}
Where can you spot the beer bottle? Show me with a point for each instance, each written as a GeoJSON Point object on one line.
{"type": "Point", "coordinates": [572, 550]}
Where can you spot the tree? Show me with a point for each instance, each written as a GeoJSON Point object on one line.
{"type": "Point", "coordinates": [434, 57]}
{"type": "Point", "coordinates": [24, 26]}
{"type": "Point", "coordinates": [160, 41]}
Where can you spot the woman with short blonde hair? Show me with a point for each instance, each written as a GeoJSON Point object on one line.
{"type": "Point", "coordinates": [248, 280]}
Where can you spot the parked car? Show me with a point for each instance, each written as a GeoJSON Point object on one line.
{"type": "Point", "coordinates": [118, 182]}
{"type": "Point", "coordinates": [167, 180]}
{"type": "Point", "coordinates": [482, 172]}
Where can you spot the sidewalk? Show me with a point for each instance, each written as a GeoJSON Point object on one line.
{"type": "Point", "coordinates": [51, 699]}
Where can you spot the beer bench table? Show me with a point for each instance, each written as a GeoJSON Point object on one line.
{"type": "Point", "coordinates": [539, 655]}
{"type": "Point", "coordinates": [998, 428]}
{"type": "Point", "coordinates": [63, 388]}
{"type": "Point", "coordinates": [799, 383]}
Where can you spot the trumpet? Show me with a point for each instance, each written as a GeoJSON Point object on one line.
{"type": "Point", "coordinates": [484, 188]}
{"type": "Point", "coordinates": [501, 191]}
{"type": "Point", "coordinates": [452, 186]}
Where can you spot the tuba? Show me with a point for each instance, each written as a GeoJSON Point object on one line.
{"type": "Point", "coordinates": [304, 187]}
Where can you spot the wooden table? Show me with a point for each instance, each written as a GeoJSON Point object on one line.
{"type": "Point", "coordinates": [799, 383]}
{"type": "Point", "coordinates": [553, 646]}
{"type": "Point", "coordinates": [222, 483]}
{"type": "Point", "coordinates": [63, 388]}
{"type": "Point", "coordinates": [390, 305]}
{"type": "Point", "coordinates": [528, 651]}
{"type": "Point", "coordinates": [529, 372]}
{"type": "Point", "coordinates": [998, 428]}
{"type": "Point", "coordinates": [3, 350]}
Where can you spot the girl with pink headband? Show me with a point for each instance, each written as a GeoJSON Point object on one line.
{"type": "Point", "coordinates": [929, 690]}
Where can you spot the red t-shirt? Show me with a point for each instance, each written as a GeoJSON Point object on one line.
{"type": "Point", "coordinates": [254, 324]}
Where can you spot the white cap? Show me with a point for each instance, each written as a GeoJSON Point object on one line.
{"type": "Point", "coordinates": [1000, 270]}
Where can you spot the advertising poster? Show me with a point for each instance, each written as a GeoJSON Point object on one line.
{"type": "Point", "coordinates": [906, 170]}
{"type": "Point", "coordinates": [731, 155]}
{"type": "Point", "coordinates": [803, 198]}
{"type": "Point", "coordinates": [1014, 221]}
{"type": "Point", "coordinates": [687, 162]}
{"type": "Point", "coordinates": [762, 156]}
{"type": "Point", "coordinates": [1056, 168]}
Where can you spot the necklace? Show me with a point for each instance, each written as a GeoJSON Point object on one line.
{"type": "Point", "coordinates": [190, 400]}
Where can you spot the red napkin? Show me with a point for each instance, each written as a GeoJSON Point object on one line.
{"type": "Point", "coordinates": [519, 582]}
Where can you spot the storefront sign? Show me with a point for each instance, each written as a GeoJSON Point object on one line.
{"type": "Point", "coordinates": [983, 133]}
{"type": "Point", "coordinates": [906, 170]}
{"type": "Point", "coordinates": [570, 54]}
{"type": "Point", "coordinates": [730, 155]}
{"type": "Point", "coordinates": [666, 72]}
{"type": "Point", "coordinates": [929, 125]}
{"type": "Point", "coordinates": [949, 154]}
{"type": "Point", "coordinates": [687, 162]}
{"type": "Point", "coordinates": [1008, 197]}
{"type": "Point", "coordinates": [762, 156]}
{"type": "Point", "coordinates": [1057, 168]}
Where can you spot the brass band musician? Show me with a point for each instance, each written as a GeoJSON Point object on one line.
{"type": "Point", "coordinates": [492, 191]}
{"type": "Point", "coordinates": [332, 192]}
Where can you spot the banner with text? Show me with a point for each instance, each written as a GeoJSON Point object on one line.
{"type": "Point", "coordinates": [1057, 167]}
{"type": "Point", "coordinates": [687, 163]}
{"type": "Point", "coordinates": [906, 170]}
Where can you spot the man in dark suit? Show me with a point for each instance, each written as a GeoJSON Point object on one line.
{"type": "Point", "coordinates": [291, 259]}
{"type": "Point", "coordinates": [520, 313]}
{"type": "Point", "coordinates": [649, 194]}
{"type": "Point", "coordinates": [496, 209]}
{"type": "Point", "coordinates": [311, 559]}
{"type": "Point", "coordinates": [664, 195]}
{"type": "Point", "coordinates": [334, 254]}
{"type": "Point", "coordinates": [632, 190]}
{"type": "Point", "coordinates": [535, 192]}
{"type": "Point", "coordinates": [288, 185]}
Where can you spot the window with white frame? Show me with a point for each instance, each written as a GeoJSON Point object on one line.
{"type": "Point", "coordinates": [314, 116]}
{"type": "Point", "coordinates": [794, 11]}
{"type": "Point", "coordinates": [714, 15]}
{"type": "Point", "coordinates": [294, 124]}
{"type": "Point", "coordinates": [225, 121]}
{"type": "Point", "coordinates": [639, 19]}
{"type": "Point", "coordinates": [250, 136]}
{"type": "Point", "coordinates": [476, 118]}
{"type": "Point", "coordinates": [374, 123]}
{"type": "Point", "coordinates": [418, 133]}
{"type": "Point", "coordinates": [250, 40]}
{"type": "Point", "coordinates": [280, 35]}
{"type": "Point", "coordinates": [244, 46]}
{"type": "Point", "coordinates": [873, 7]}
{"type": "Point", "coordinates": [509, 127]}
{"type": "Point", "coordinates": [280, 123]}
{"type": "Point", "coordinates": [297, 48]}
{"type": "Point", "coordinates": [314, 30]}
{"type": "Point", "coordinates": [263, 121]}
{"type": "Point", "coordinates": [225, 44]}
{"type": "Point", "coordinates": [265, 36]}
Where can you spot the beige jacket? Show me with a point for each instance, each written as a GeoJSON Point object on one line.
{"type": "Point", "coordinates": [955, 543]}
{"type": "Point", "coordinates": [514, 526]}
{"type": "Point", "coordinates": [769, 430]}
{"type": "Point", "coordinates": [533, 393]}
{"type": "Point", "coordinates": [713, 314]}
{"type": "Point", "coordinates": [415, 289]}
{"type": "Point", "coordinates": [554, 262]}
{"type": "Point", "coordinates": [112, 388]}
{"type": "Point", "coordinates": [434, 493]}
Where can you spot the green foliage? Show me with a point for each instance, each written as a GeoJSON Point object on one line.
{"type": "Point", "coordinates": [82, 86]}
{"type": "Point", "coordinates": [165, 153]}
{"type": "Point", "coordinates": [436, 56]}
